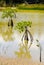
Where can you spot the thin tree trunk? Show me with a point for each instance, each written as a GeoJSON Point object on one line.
{"type": "Point", "coordinates": [40, 54]}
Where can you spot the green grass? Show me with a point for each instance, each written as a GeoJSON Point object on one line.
{"type": "Point", "coordinates": [23, 8]}
{"type": "Point", "coordinates": [31, 7]}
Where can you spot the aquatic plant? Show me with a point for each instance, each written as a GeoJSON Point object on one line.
{"type": "Point", "coordinates": [24, 49]}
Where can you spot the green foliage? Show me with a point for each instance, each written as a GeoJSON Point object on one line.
{"type": "Point", "coordinates": [20, 26]}
{"type": "Point", "coordinates": [23, 52]}
{"type": "Point", "coordinates": [31, 7]}
{"type": "Point", "coordinates": [8, 12]}
{"type": "Point", "coordinates": [23, 49]}
{"type": "Point", "coordinates": [22, 8]}
{"type": "Point", "coordinates": [7, 32]}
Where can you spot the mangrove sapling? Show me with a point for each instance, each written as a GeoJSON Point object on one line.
{"type": "Point", "coordinates": [8, 13]}
{"type": "Point", "coordinates": [24, 50]}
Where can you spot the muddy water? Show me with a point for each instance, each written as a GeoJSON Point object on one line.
{"type": "Point", "coordinates": [37, 30]}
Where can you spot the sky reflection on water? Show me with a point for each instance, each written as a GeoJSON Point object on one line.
{"type": "Point", "coordinates": [7, 48]}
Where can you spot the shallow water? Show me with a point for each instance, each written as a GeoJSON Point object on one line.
{"type": "Point", "coordinates": [7, 48]}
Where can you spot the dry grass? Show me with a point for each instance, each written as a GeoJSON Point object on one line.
{"type": "Point", "coordinates": [18, 61]}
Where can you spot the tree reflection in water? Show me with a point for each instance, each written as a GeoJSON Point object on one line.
{"type": "Point", "coordinates": [7, 33]}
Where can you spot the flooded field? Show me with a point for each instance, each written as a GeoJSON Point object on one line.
{"type": "Point", "coordinates": [7, 48]}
